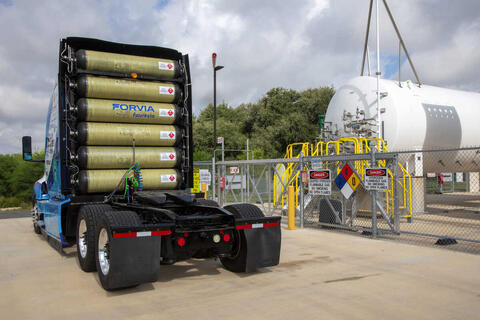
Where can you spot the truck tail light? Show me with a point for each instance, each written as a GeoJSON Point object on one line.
{"type": "Point", "coordinates": [181, 242]}
{"type": "Point", "coordinates": [226, 237]}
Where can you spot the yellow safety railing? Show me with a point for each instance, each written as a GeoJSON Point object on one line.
{"type": "Point", "coordinates": [360, 145]}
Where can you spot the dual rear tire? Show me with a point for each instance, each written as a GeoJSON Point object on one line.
{"type": "Point", "coordinates": [94, 238]}
{"type": "Point", "coordinates": [86, 232]}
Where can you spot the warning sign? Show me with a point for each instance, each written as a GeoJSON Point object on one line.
{"type": "Point", "coordinates": [376, 179]}
{"type": "Point", "coordinates": [320, 183]}
{"type": "Point", "coordinates": [347, 181]}
{"type": "Point", "coordinates": [196, 180]}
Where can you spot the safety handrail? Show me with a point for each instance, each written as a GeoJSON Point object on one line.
{"type": "Point", "coordinates": [361, 145]}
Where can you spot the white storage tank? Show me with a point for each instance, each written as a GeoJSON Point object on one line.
{"type": "Point", "coordinates": [413, 118]}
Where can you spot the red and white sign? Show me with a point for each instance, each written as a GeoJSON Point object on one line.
{"type": "Point", "coordinates": [167, 135]}
{"type": "Point", "coordinates": [219, 140]}
{"type": "Point", "coordinates": [165, 65]}
{"type": "Point", "coordinates": [166, 113]}
{"type": "Point", "coordinates": [323, 174]}
{"type": "Point", "coordinates": [234, 170]}
{"type": "Point", "coordinates": [320, 183]}
{"type": "Point", "coordinates": [376, 179]}
{"type": "Point", "coordinates": [166, 90]}
{"type": "Point", "coordinates": [167, 156]}
{"type": "Point", "coordinates": [165, 178]}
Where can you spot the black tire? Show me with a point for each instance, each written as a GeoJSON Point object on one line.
{"type": "Point", "coordinates": [237, 263]}
{"type": "Point", "coordinates": [36, 228]}
{"type": "Point", "coordinates": [208, 203]}
{"type": "Point", "coordinates": [90, 214]}
{"type": "Point", "coordinates": [105, 222]}
{"type": "Point", "coordinates": [245, 211]}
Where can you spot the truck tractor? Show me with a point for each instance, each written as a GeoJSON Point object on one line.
{"type": "Point", "coordinates": [118, 171]}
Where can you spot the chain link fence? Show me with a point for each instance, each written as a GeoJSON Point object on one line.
{"type": "Point", "coordinates": [432, 197]}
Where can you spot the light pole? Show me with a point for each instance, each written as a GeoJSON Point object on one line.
{"type": "Point", "coordinates": [215, 69]}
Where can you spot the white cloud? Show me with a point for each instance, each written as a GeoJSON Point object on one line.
{"type": "Point", "coordinates": [262, 44]}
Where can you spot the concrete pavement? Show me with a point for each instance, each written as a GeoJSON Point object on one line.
{"type": "Point", "coordinates": [322, 274]}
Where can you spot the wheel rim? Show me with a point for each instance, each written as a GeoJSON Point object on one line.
{"type": "Point", "coordinates": [82, 238]}
{"type": "Point", "coordinates": [103, 258]}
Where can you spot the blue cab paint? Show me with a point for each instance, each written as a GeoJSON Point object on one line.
{"type": "Point", "coordinates": [50, 203]}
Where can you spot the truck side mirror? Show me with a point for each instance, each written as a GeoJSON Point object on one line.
{"type": "Point", "coordinates": [27, 148]}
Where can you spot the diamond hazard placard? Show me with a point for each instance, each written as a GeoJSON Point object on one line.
{"type": "Point", "coordinates": [376, 179]}
{"type": "Point", "coordinates": [320, 183]}
{"type": "Point", "coordinates": [347, 181]}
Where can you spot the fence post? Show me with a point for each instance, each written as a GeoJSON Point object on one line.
{"type": "Point", "coordinates": [301, 192]}
{"type": "Point", "coordinates": [396, 209]}
{"type": "Point", "coordinates": [374, 199]}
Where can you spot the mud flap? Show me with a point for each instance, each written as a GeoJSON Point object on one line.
{"type": "Point", "coordinates": [136, 260]}
{"type": "Point", "coordinates": [263, 247]}
{"type": "Point", "coordinates": [259, 243]}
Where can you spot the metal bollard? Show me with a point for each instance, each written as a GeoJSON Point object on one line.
{"type": "Point", "coordinates": [204, 190]}
{"type": "Point", "coordinates": [291, 208]}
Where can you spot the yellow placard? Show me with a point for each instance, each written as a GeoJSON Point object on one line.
{"type": "Point", "coordinates": [353, 181]}
{"type": "Point", "coordinates": [196, 180]}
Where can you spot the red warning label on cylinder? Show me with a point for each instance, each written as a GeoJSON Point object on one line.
{"type": "Point", "coordinates": [169, 135]}
{"type": "Point", "coordinates": [165, 65]}
{"type": "Point", "coordinates": [166, 90]}
{"type": "Point", "coordinates": [168, 113]}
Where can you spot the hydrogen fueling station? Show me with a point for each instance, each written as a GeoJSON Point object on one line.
{"type": "Point", "coordinates": [379, 214]}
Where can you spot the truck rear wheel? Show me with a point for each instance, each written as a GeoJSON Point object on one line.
{"type": "Point", "coordinates": [104, 242]}
{"type": "Point", "coordinates": [86, 223]}
{"type": "Point", "coordinates": [237, 262]}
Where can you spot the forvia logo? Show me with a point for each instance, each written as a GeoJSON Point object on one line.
{"type": "Point", "coordinates": [319, 175]}
{"type": "Point", "coordinates": [376, 172]}
{"type": "Point", "coordinates": [132, 107]}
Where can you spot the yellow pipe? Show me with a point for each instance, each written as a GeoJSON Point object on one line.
{"type": "Point", "coordinates": [291, 208]}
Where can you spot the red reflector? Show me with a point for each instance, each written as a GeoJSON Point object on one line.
{"type": "Point", "coordinates": [244, 226]}
{"type": "Point", "coordinates": [221, 231]}
{"type": "Point", "coordinates": [271, 224]}
{"type": "Point", "coordinates": [161, 233]}
{"type": "Point", "coordinates": [185, 234]}
{"type": "Point", "coordinates": [226, 237]}
{"type": "Point", "coordinates": [124, 235]}
{"type": "Point", "coordinates": [181, 242]}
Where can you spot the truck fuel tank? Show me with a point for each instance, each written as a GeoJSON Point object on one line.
{"type": "Point", "coordinates": [122, 134]}
{"type": "Point", "coordinates": [96, 181]}
{"type": "Point", "coordinates": [128, 89]}
{"type": "Point", "coordinates": [103, 110]}
{"type": "Point", "coordinates": [122, 157]}
{"type": "Point", "coordinates": [124, 63]}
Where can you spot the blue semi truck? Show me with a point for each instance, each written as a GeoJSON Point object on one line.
{"type": "Point", "coordinates": [119, 170]}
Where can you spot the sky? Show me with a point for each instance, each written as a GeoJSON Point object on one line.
{"type": "Point", "coordinates": [296, 44]}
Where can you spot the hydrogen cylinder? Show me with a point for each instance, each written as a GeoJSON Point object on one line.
{"type": "Point", "coordinates": [123, 157]}
{"type": "Point", "coordinates": [128, 89]}
{"type": "Point", "coordinates": [103, 110]}
{"type": "Point", "coordinates": [124, 63]}
{"type": "Point", "coordinates": [95, 181]}
{"type": "Point", "coordinates": [122, 134]}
